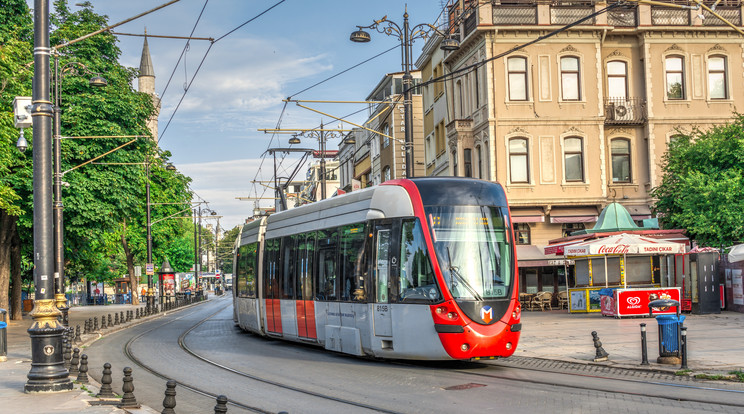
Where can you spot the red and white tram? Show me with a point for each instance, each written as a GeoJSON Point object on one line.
{"type": "Point", "coordinates": [419, 268]}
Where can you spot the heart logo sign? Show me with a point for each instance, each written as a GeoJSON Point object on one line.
{"type": "Point", "coordinates": [634, 300]}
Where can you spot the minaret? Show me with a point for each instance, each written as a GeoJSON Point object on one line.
{"type": "Point", "coordinates": [147, 85]}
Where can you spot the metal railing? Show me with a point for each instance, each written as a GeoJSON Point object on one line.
{"type": "Point", "coordinates": [732, 14]}
{"type": "Point", "coordinates": [566, 14]}
{"type": "Point", "coordinates": [623, 17]}
{"type": "Point", "coordinates": [665, 16]}
{"type": "Point", "coordinates": [515, 14]}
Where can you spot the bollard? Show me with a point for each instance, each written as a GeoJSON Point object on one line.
{"type": "Point", "coordinates": [684, 347]}
{"type": "Point", "coordinates": [95, 324]}
{"type": "Point", "coordinates": [103, 321]}
{"type": "Point", "coordinates": [221, 407]}
{"type": "Point", "coordinates": [74, 370]}
{"type": "Point", "coordinates": [601, 354]}
{"type": "Point", "coordinates": [644, 350]}
{"type": "Point", "coordinates": [66, 353]}
{"type": "Point", "coordinates": [86, 326]}
{"type": "Point", "coordinates": [121, 318]}
{"type": "Point", "coordinates": [106, 380]}
{"type": "Point", "coordinates": [83, 370]}
{"type": "Point", "coordinates": [116, 319]}
{"type": "Point", "coordinates": [169, 402]}
{"type": "Point", "coordinates": [128, 400]}
{"type": "Point", "coordinates": [110, 324]}
{"type": "Point", "coordinates": [78, 339]}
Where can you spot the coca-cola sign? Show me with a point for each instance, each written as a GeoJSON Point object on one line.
{"type": "Point", "coordinates": [614, 249]}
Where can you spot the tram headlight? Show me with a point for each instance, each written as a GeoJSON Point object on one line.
{"type": "Point", "coordinates": [452, 315]}
{"type": "Point", "coordinates": [441, 310]}
{"type": "Point", "coordinates": [508, 346]}
{"type": "Point", "coordinates": [464, 347]}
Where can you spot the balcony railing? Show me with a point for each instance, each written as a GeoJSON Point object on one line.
{"type": "Point", "coordinates": [732, 14]}
{"type": "Point", "coordinates": [514, 12]}
{"type": "Point", "coordinates": [568, 12]}
{"type": "Point", "coordinates": [666, 16]}
{"type": "Point", "coordinates": [625, 111]}
{"type": "Point", "coordinates": [623, 17]}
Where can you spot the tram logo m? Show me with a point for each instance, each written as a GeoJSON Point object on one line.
{"type": "Point", "coordinates": [486, 314]}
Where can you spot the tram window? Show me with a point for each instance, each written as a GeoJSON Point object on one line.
{"type": "Point", "coordinates": [287, 275]}
{"type": "Point", "coordinates": [353, 263]}
{"type": "Point", "coordinates": [417, 280]}
{"type": "Point", "coordinates": [305, 256]}
{"type": "Point", "coordinates": [327, 264]}
{"type": "Point", "coordinates": [271, 260]}
{"type": "Point", "coordinates": [245, 277]}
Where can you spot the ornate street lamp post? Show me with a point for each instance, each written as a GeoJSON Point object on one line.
{"type": "Point", "coordinates": [48, 373]}
{"type": "Point", "coordinates": [406, 35]}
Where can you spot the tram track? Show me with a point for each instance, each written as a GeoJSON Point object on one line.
{"type": "Point", "coordinates": [181, 342]}
{"type": "Point", "coordinates": [736, 400]}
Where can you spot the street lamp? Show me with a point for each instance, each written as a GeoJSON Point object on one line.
{"type": "Point", "coordinates": [59, 250]}
{"type": "Point", "coordinates": [322, 135]}
{"type": "Point", "coordinates": [150, 266]}
{"type": "Point", "coordinates": [47, 373]}
{"type": "Point", "coordinates": [406, 35]}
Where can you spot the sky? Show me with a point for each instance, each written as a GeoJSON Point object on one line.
{"type": "Point", "coordinates": [213, 135]}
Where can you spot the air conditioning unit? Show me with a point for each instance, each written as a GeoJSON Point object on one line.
{"type": "Point", "coordinates": [621, 111]}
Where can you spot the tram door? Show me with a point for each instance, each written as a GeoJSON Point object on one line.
{"type": "Point", "coordinates": [384, 264]}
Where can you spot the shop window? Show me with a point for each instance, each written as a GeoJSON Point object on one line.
{"type": "Point", "coordinates": [522, 233]}
{"type": "Point", "coordinates": [568, 228]}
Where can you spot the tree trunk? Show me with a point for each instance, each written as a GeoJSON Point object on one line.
{"type": "Point", "coordinates": [15, 275]}
{"type": "Point", "coordinates": [6, 223]}
{"type": "Point", "coordinates": [133, 283]}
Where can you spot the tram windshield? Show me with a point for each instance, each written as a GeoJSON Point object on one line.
{"type": "Point", "coordinates": [472, 244]}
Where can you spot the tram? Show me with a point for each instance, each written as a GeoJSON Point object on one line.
{"type": "Point", "coordinates": [421, 268]}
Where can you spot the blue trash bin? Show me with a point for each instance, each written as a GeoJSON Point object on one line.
{"type": "Point", "coordinates": [669, 333]}
{"type": "Point", "coordinates": [3, 335]}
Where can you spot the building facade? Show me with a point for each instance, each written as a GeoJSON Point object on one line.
{"type": "Point", "coordinates": [583, 118]}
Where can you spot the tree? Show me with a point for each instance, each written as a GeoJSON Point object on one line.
{"type": "Point", "coordinates": [702, 189]}
{"type": "Point", "coordinates": [16, 73]}
{"type": "Point", "coordinates": [225, 248]}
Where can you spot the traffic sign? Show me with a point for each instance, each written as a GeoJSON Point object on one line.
{"type": "Point", "coordinates": [149, 269]}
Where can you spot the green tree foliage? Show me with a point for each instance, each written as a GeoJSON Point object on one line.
{"type": "Point", "coordinates": [702, 190]}
{"type": "Point", "coordinates": [104, 204]}
{"type": "Point", "coordinates": [225, 248]}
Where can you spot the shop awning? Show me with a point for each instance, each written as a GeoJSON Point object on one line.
{"type": "Point", "coordinates": [573, 215]}
{"type": "Point", "coordinates": [527, 215]}
{"type": "Point", "coordinates": [624, 244]}
{"type": "Point", "coordinates": [533, 256]}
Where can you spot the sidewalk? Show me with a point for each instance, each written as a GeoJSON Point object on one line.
{"type": "Point", "coordinates": [13, 372]}
{"type": "Point", "coordinates": [714, 341]}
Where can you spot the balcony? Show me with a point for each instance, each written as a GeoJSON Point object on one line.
{"type": "Point", "coordinates": [626, 16]}
{"type": "Point", "coordinates": [564, 12]}
{"type": "Point", "coordinates": [732, 14]}
{"type": "Point", "coordinates": [625, 111]}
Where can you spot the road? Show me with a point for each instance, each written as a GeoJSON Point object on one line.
{"type": "Point", "coordinates": [202, 349]}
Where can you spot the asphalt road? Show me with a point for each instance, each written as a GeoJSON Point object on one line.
{"type": "Point", "coordinates": [267, 375]}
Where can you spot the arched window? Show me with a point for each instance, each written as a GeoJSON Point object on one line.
{"type": "Point", "coordinates": [519, 166]}
{"type": "Point", "coordinates": [517, 73]}
{"type": "Point", "coordinates": [675, 77]}
{"type": "Point", "coordinates": [620, 150]}
{"type": "Point", "coordinates": [617, 79]}
{"type": "Point", "coordinates": [573, 157]}
{"type": "Point", "coordinates": [717, 87]}
{"type": "Point", "coordinates": [570, 79]}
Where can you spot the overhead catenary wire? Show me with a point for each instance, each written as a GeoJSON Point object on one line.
{"type": "Point", "coordinates": [201, 63]}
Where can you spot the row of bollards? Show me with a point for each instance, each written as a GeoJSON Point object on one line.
{"type": "Point", "coordinates": [682, 346]}
{"type": "Point", "coordinates": [128, 400]}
